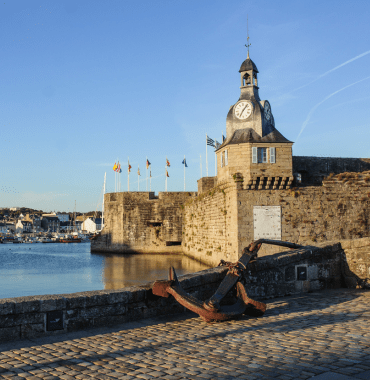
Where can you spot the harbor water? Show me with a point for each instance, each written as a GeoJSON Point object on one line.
{"type": "Point", "coordinates": [57, 268]}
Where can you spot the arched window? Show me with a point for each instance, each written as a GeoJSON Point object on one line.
{"type": "Point", "coordinates": [246, 80]}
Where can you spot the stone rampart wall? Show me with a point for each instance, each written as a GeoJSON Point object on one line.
{"type": "Point", "coordinates": [142, 222]}
{"type": "Point", "coordinates": [286, 273]}
{"type": "Point", "coordinates": [338, 210]}
{"type": "Point", "coordinates": [210, 226]}
{"type": "Point", "coordinates": [220, 223]}
{"type": "Point", "coordinates": [356, 263]}
{"type": "Point", "coordinates": [314, 169]}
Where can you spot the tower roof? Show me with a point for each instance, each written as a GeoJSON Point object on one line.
{"type": "Point", "coordinates": [249, 135]}
{"type": "Point", "coordinates": [248, 64]}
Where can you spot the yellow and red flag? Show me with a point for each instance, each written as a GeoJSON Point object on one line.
{"type": "Point", "coordinates": [167, 173]}
{"type": "Point", "coordinates": [115, 166]}
{"type": "Point", "coordinates": [167, 162]}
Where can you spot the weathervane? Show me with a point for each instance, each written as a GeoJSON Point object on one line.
{"type": "Point", "coordinates": [248, 44]}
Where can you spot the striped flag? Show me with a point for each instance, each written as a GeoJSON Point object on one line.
{"type": "Point", "coordinates": [147, 163]}
{"type": "Point", "coordinates": [210, 142]}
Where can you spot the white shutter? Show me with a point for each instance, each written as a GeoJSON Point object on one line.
{"type": "Point", "coordinates": [272, 155]}
{"type": "Point", "coordinates": [254, 154]}
{"type": "Point", "coordinates": [222, 159]}
{"type": "Point", "coordinates": [226, 160]}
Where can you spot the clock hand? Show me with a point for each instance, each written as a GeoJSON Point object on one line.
{"type": "Point", "coordinates": [244, 109]}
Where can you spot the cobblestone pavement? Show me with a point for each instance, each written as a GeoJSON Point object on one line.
{"type": "Point", "coordinates": [324, 335]}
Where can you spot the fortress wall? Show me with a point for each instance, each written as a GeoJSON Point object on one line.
{"type": "Point", "coordinates": [209, 226]}
{"type": "Point", "coordinates": [315, 169]}
{"type": "Point", "coordinates": [142, 222]}
{"type": "Point", "coordinates": [340, 209]}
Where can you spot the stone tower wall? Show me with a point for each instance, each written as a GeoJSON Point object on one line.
{"type": "Point", "coordinates": [142, 222]}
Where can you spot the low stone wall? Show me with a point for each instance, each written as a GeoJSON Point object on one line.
{"type": "Point", "coordinates": [287, 273]}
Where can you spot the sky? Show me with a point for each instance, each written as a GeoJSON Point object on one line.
{"type": "Point", "coordinates": [86, 83]}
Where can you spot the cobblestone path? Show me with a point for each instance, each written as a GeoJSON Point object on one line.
{"type": "Point", "coordinates": [324, 335]}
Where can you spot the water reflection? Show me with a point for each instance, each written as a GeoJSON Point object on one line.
{"type": "Point", "coordinates": [127, 270]}
{"type": "Point", "coordinates": [37, 269]}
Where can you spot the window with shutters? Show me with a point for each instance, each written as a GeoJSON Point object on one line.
{"type": "Point", "coordinates": [262, 155]}
{"type": "Point", "coordinates": [272, 155]}
{"type": "Point", "coordinates": [226, 158]}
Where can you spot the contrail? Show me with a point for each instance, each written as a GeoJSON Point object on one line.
{"type": "Point", "coordinates": [331, 70]}
{"type": "Point", "coordinates": [329, 96]}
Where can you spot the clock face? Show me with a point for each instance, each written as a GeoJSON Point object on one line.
{"type": "Point", "coordinates": [243, 110]}
{"type": "Point", "coordinates": [267, 111]}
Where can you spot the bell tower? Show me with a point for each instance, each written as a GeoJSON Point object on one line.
{"type": "Point", "coordinates": [254, 151]}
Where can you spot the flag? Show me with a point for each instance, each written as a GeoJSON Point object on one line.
{"type": "Point", "coordinates": [210, 142]}
{"type": "Point", "coordinates": [147, 163]}
{"type": "Point", "coordinates": [184, 162]}
{"type": "Point", "coordinates": [138, 171]}
{"type": "Point", "coordinates": [150, 173]}
{"type": "Point", "coordinates": [119, 168]}
{"type": "Point", "coordinates": [167, 173]}
{"type": "Point", "coordinates": [115, 167]}
{"type": "Point", "coordinates": [217, 144]}
{"type": "Point", "coordinates": [167, 162]}
{"type": "Point", "coordinates": [223, 138]}
{"type": "Point", "coordinates": [129, 167]}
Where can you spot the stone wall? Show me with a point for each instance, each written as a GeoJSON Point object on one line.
{"type": "Point", "coordinates": [260, 174]}
{"type": "Point", "coordinates": [209, 226]}
{"type": "Point", "coordinates": [142, 222]}
{"type": "Point", "coordinates": [314, 169]}
{"type": "Point", "coordinates": [286, 273]}
{"type": "Point", "coordinates": [356, 263]}
{"type": "Point", "coordinates": [223, 217]}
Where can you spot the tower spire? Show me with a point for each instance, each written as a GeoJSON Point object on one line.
{"type": "Point", "coordinates": [248, 44]}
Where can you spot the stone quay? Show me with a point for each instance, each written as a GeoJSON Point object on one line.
{"type": "Point", "coordinates": [320, 335]}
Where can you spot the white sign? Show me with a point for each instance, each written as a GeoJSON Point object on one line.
{"type": "Point", "coordinates": [267, 222]}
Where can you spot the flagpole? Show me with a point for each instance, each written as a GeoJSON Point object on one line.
{"type": "Point", "coordinates": [146, 173]}
{"type": "Point", "coordinates": [138, 178]}
{"type": "Point", "coordinates": [206, 157]}
{"type": "Point", "coordinates": [150, 178]}
{"type": "Point", "coordinates": [200, 166]}
{"type": "Point", "coordinates": [166, 176]}
{"type": "Point", "coordinates": [184, 173]}
{"type": "Point", "coordinates": [128, 174]}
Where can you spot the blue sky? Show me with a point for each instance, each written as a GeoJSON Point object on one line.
{"type": "Point", "coordinates": [86, 82]}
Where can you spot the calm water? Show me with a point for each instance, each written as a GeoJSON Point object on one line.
{"type": "Point", "coordinates": [35, 269]}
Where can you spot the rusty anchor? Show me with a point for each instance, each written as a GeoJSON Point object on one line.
{"type": "Point", "coordinates": [211, 310]}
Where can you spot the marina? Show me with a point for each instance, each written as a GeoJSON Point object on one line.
{"type": "Point", "coordinates": [38, 269]}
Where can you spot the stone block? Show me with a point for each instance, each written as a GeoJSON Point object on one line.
{"type": "Point", "coordinates": [74, 325]}
{"type": "Point", "coordinates": [101, 311]}
{"type": "Point", "coordinates": [290, 273]}
{"type": "Point", "coordinates": [7, 306]}
{"type": "Point", "coordinates": [298, 286]}
{"type": "Point", "coordinates": [8, 334]}
{"type": "Point", "coordinates": [312, 272]}
{"type": "Point", "coordinates": [11, 320]}
{"type": "Point", "coordinates": [306, 286]}
{"type": "Point", "coordinates": [51, 303]}
{"type": "Point", "coordinates": [75, 300]}
{"type": "Point", "coordinates": [315, 285]}
{"type": "Point", "coordinates": [27, 305]}
{"type": "Point", "coordinates": [32, 330]}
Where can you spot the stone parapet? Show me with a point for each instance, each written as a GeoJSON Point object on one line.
{"type": "Point", "coordinates": [286, 273]}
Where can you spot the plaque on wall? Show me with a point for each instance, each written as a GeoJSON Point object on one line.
{"type": "Point", "coordinates": [267, 222]}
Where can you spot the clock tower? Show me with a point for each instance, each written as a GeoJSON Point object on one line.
{"type": "Point", "coordinates": [254, 151]}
